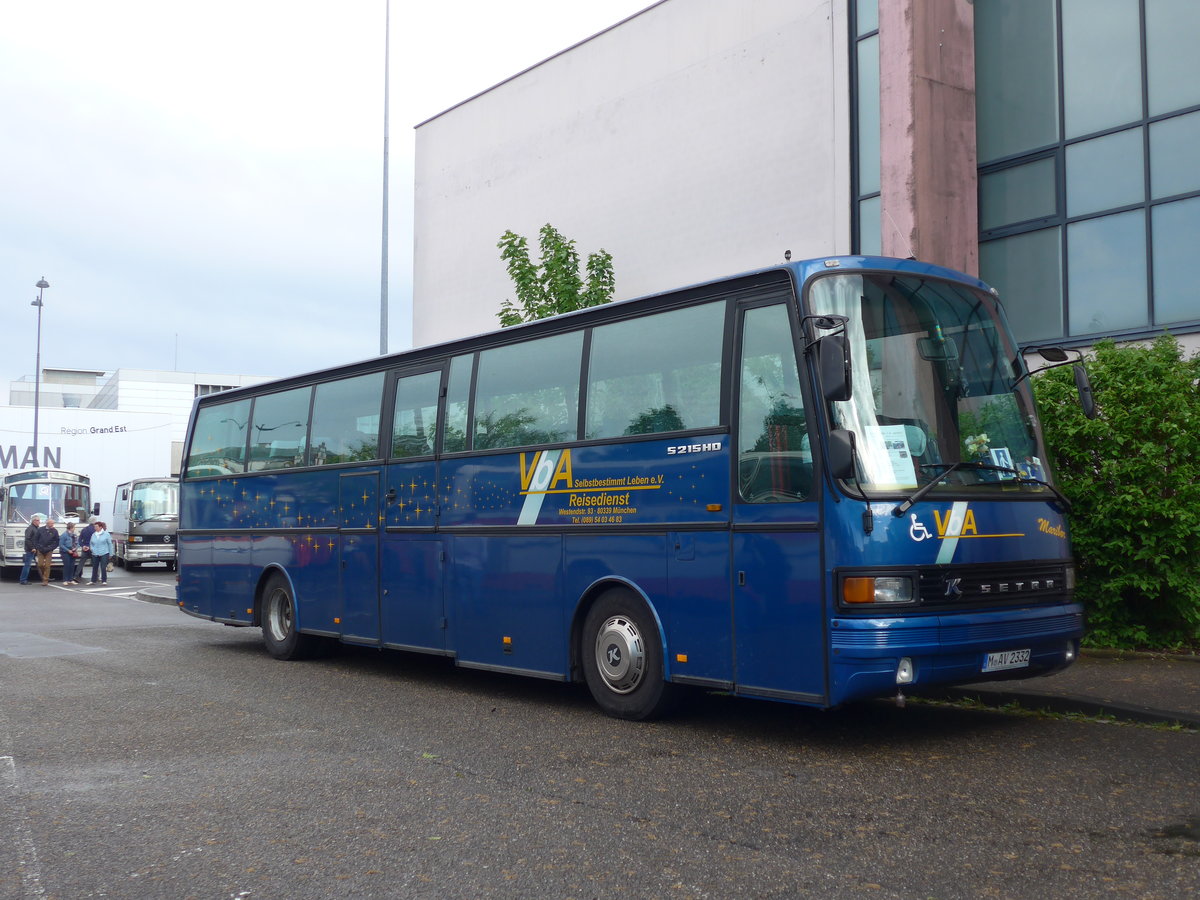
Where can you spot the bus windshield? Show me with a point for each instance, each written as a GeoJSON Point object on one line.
{"type": "Point", "coordinates": [154, 500]}
{"type": "Point", "coordinates": [934, 396]}
{"type": "Point", "coordinates": [57, 501]}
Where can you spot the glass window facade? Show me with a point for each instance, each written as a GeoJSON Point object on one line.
{"type": "Point", "coordinates": [1176, 290]}
{"type": "Point", "coordinates": [1102, 64]}
{"type": "Point", "coordinates": [1015, 76]}
{"type": "Point", "coordinates": [866, 235]}
{"type": "Point", "coordinates": [1172, 63]}
{"type": "Point", "coordinates": [1088, 113]}
{"type": "Point", "coordinates": [1105, 172]}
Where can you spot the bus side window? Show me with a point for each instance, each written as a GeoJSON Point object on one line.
{"type": "Point", "coordinates": [656, 373]}
{"type": "Point", "coordinates": [279, 432]}
{"type": "Point", "coordinates": [774, 456]}
{"type": "Point", "coordinates": [415, 421]}
{"type": "Point", "coordinates": [345, 420]}
{"type": "Point", "coordinates": [458, 392]}
{"type": "Point", "coordinates": [219, 440]}
{"type": "Point", "coordinates": [528, 393]}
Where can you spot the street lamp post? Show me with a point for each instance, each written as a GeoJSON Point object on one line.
{"type": "Point", "coordinates": [37, 374]}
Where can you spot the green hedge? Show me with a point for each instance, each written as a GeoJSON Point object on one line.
{"type": "Point", "coordinates": [1133, 477]}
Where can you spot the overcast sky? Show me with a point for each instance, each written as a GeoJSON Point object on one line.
{"type": "Point", "coordinates": [201, 182]}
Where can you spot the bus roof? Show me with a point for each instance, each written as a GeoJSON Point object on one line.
{"type": "Point", "coordinates": [797, 272]}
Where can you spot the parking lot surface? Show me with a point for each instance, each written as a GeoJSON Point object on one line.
{"type": "Point", "coordinates": [147, 754]}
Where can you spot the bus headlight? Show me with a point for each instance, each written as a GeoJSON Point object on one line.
{"type": "Point", "coordinates": [878, 590]}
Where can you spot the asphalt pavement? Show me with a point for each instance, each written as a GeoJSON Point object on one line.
{"type": "Point", "coordinates": [1138, 687]}
{"type": "Point", "coordinates": [1148, 688]}
{"type": "Point", "coordinates": [144, 753]}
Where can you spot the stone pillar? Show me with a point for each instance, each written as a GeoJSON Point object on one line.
{"type": "Point", "coordinates": [927, 132]}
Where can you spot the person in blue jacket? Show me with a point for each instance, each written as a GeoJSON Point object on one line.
{"type": "Point", "coordinates": [68, 549]}
{"type": "Point", "coordinates": [102, 548]}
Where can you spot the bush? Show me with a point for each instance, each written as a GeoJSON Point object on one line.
{"type": "Point", "coordinates": [1133, 477]}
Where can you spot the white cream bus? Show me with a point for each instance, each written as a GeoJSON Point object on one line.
{"type": "Point", "coordinates": [47, 493]}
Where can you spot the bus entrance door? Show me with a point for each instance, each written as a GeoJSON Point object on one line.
{"type": "Point", "coordinates": [414, 612]}
{"type": "Point", "coordinates": [777, 600]}
{"type": "Point", "coordinates": [777, 615]}
{"type": "Point", "coordinates": [359, 564]}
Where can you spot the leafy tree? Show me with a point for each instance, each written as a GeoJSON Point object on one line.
{"type": "Point", "coordinates": [1133, 477]}
{"type": "Point", "coordinates": [655, 421]}
{"type": "Point", "coordinates": [554, 286]}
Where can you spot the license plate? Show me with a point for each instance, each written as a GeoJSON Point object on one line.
{"type": "Point", "coordinates": [1006, 659]}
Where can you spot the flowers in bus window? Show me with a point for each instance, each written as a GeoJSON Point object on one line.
{"type": "Point", "coordinates": [977, 444]}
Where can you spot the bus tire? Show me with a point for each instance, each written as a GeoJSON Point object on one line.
{"type": "Point", "coordinates": [279, 628]}
{"type": "Point", "coordinates": [622, 658]}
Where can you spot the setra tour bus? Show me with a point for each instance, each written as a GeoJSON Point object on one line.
{"type": "Point", "coordinates": [144, 520]}
{"type": "Point", "coordinates": [48, 493]}
{"type": "Point", "coordinates": [816, 483]}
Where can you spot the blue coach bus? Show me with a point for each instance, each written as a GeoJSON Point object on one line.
{"type": "Point", "coordinates": [815, 483]}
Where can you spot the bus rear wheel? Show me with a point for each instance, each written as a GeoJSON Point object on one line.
{"type": "Point", "coordinates": [279, 627]}
{"type": "Point", "coordinates": [622, 658]}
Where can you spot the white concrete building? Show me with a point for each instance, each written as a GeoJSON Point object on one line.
{"type": "Point", "coordinates": [108, 426]}
{"type": "Point", "coordinates": [694, 140]}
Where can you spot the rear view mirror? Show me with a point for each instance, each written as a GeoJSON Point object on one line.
{"type": "Point", "coordinates": [833, 363]}
{"type": "Point", "coordinates": [1083, 384]}
{"type": "Point", "coordinates": [841, 454]}
{"type": "Point", "coordinates": [934, 350]}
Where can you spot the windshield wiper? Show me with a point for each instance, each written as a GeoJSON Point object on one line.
{"type": "Point", "coordinates": [1029, 479]}
{"type": "Point", "coordinates": [904, 507]}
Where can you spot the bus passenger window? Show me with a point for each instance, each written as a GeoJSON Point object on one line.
{"type": "Point", "coordinates": [458, 395]}
{"type": "Point", "coordinates": [656, 373]}
{"type": "Point", "coordinates": [219, 440]}
{"type": "Point", "coordinates": [279, 430]}
{"type": "Point", "coordinates": [345, 420]}
{"type": "Point", "coordinates": [528, 393]}
{"type": "Point", "coordinates": [774, 456]}
{"type": "Point", "coordinates": [415, 421]}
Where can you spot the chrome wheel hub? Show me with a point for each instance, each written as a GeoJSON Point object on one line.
{"type": "Point", "coordinates": [620, 655]}
{"type": "Point", "coordinates": [279, 614]}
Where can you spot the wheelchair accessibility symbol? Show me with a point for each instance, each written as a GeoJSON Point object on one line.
{"type": "Point", "coordinates": [917, 530]}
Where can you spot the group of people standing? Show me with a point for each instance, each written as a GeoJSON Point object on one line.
{"type": "Point", "coordinates": [93, 544]}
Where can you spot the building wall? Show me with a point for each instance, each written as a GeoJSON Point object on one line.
{"type": "Point", "coordinates": [109, 446]}
{"type": "Point", "coordinates": [697, 139]}
{"type": "Point", "coordinates": [134, 425]}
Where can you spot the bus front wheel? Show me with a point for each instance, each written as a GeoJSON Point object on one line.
{"type": "Point", "coordinates": [622, 658]}
{"type": "Point", "coordinates": [279, 626]}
